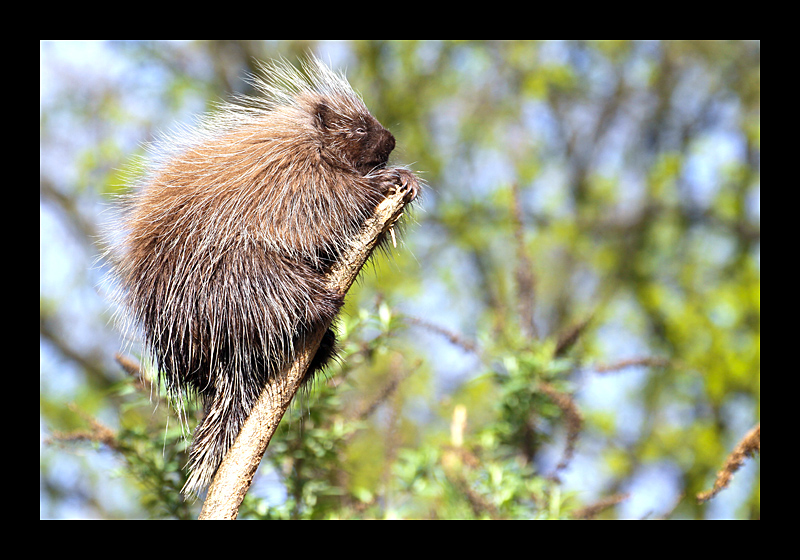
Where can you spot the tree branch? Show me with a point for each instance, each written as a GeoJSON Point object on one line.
{"type": "Point", "coordinates": [235, 474]}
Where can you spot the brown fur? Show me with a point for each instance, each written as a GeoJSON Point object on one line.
{"type": "Point", "coordinates": [228, 241]}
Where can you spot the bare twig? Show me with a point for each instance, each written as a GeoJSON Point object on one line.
{"type": "Point", "coordinates": [591, 511]}
{"type": "Point", "coordinates": [573, 418]}
{"type": "Point", "coordinates": [452, 337]}
{"type": "Point", "coordinates": [632, 362]}
{"type": "Point", "coordinates": [568, 338]}
{"type": "Point", "coordinates": [747, 447]}
{"type": "Point", "coordinates": [98, 432]}
{"type": "Point", "coordinates": [524, 276]}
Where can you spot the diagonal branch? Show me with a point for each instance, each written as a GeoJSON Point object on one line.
{"type": "Point", "coordinates": [236, 472]}
{"type": "Point", "coordinates": [747, 447]}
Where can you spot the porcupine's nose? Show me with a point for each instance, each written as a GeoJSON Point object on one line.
{"type": "Point", "coordinates": [385, 147]}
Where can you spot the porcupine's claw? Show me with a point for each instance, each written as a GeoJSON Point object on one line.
{"type": "Point", "coordinates": [406, 182]}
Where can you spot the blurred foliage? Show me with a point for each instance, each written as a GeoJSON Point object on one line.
{"type": "Point", "coordinates": [575, 304]}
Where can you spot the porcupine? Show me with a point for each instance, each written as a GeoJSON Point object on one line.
{"type": "Point", "coordinates": [227, 241]}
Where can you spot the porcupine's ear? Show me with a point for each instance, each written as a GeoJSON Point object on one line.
{"type": "Point", "coordinates": [323, 116]}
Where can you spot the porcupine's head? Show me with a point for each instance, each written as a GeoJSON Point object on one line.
{"type": "Point", "coordinates": [356, 138]}
{"type": "Point", "coordinates": [347, 135]}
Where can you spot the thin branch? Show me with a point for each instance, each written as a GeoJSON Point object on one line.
{"type": "Point", "coordinates": [523, 273]}
{"type": "Point", "coordinates": [568, 338]}
{"type": "Point", "coordinates": [98, 433]}
{"type": "Point", "coordinates": [591, 511]}
{"type": "Point", "coordinates": [573, 418]}
{"type": "Point", "coordinates": [453, 337]}
{"type": "Point", "coordinates": [236, 472]}
{"type": "Point", "coordinates": [651, 361]}
{"type": "Point", "coordinates": [747, 447]}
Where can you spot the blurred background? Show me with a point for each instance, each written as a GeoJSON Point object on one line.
{"type": "Point", "coordinates": [569, 327]}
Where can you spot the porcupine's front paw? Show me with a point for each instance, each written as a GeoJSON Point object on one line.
{"type": "Point", "coordinates": [396, 180]}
